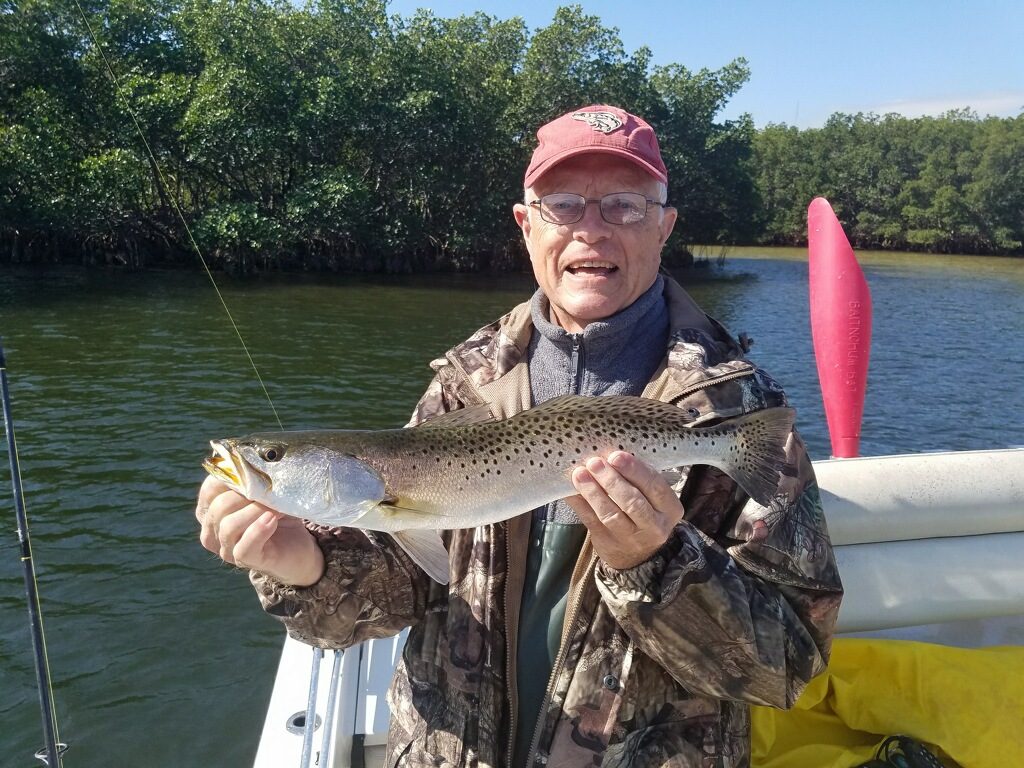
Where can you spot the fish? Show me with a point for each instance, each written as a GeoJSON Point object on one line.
{"type": "Point", "coordinates": [466, 469]}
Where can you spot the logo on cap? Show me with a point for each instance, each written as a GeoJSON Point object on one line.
{"type": "Point", "coordinates": [605, 122]}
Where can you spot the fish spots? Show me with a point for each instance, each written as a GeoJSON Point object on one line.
{"type": "Point", "coordinates": [565, 433]}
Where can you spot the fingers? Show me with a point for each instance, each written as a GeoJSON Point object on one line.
{"type": "Point", "coordinates": [241, 525]}
{"type": "Point", "coordinates": [605, 537]}
{"type": "Point", "coordinates": [584, 512]}
{"type": "Point", "coordinates": [249, 547]}
{"type": "Point", "coordinates": [224, 515]}
{"type": "Point", "coordinates": [219, 507]}
{"type": "Point", "coordinates": [628, 507]}
{"type": "Point", "coordinates": [624, 490]}
{"type": "Point", "coordinates": [250, 535]}
{"type": "Point", "coordinates": [208, 491]}
{"type": "Point", "coordinates": [605, 541]}
{"type": "Point", "coordinates": [606, 493]}
{"type": "Point", "coordinates": [651, 485]}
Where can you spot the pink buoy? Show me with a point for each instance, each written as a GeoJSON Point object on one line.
{"type": "Point", "coordinates": [840, 326]}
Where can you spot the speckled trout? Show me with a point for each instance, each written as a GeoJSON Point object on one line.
{"type": "Point", "coordinates": [465, 469]}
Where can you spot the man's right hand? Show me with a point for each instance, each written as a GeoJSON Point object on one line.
{"type": "Point", "coordinates": [251, 535]}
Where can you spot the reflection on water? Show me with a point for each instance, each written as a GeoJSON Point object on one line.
{"type": "Point", "coordinates": [119, 380]}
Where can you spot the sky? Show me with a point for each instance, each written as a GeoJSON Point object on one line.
{"type": "Point", "coordinates": [811, 59]}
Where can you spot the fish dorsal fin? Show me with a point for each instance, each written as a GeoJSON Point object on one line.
{"type": "Point", "coordinates": [562, 404]}
{"type": "Point", "coordinates": [475, 414]}
{"type": "Point", "coordinates": [427, 550]}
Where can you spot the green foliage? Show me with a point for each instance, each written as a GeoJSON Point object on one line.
{"type": "Point", "coordinates": [323, 136]}
{"type": "Point", "coordinates": [709, 181]}
{"type": "Point", "coordinates": [333, 135]}
{"type": "Point", "coordinates": [946, 184]}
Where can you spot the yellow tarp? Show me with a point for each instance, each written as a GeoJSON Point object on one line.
{"type": "Point", "coordinates": [969, 702]}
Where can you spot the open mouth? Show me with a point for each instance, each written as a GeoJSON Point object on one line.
{"type": "Point", "coordinates": [592, 269]}
{"type": "Point", "coordinates": [221, 465]}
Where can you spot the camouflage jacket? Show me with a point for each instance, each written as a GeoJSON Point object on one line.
{"type": "Point", "coordinates": [658, 663]}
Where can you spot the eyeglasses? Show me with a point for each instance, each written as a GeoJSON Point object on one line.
{"type": "Point", "coordinates": [616, 208]}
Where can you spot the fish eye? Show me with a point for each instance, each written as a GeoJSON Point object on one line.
{"type": "Point", "coordinates": [272, 454]}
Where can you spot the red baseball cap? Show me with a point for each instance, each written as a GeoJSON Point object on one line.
{"type": "Point", "coordinates": [597, 128]}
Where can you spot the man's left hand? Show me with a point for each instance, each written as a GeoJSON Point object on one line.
{"type": "Point", "coordinates": [628, 507]}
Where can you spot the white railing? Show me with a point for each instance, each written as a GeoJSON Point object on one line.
{"type": "Point", "coordinates": [928, 546]}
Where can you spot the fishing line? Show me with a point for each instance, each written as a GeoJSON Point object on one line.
{"type": "Point", "coordinates": [177, 209]}
{"type": "Point", "coordinates": [53, 747]}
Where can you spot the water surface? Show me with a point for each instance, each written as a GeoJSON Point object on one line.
{"type": "Point", "coordinates": [160, 654]}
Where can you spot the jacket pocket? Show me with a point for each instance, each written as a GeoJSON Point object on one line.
{"type": "Point", "coordinates": [437, 744]}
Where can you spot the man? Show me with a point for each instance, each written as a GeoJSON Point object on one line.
{"type": "Point", "coordinates": [632, 624]}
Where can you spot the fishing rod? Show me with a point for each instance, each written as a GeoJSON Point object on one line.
{"type": "Point", "coordinates": [53, 748]}
{"type": "Point", "coordinates": [169, 196]}
{"type": "Point", "coordinates": [310, 724]}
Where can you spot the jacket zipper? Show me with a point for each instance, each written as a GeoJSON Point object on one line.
{"type": "Point", "coordinates": [574, 605]}
{"type": "Point", "coordinates": [577, 365]}
{"type": "Point", "coordinates": [510, 682]}
{"type": "Point", "coordinates": [577, 361]}
{"type": "Point", "coordinates": [710, 383]}
{"type": "Point", "coordinates": [573, 610]}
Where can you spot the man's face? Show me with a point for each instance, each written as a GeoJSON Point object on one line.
{"type": "Point", "coordinates": [591, 269]}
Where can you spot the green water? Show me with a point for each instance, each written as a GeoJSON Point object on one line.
{"type": "Point", "coordinates": [160, 654]}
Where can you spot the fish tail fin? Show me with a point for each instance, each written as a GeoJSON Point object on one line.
{"type": "Point", "coordinates": [761, 453]}
{"type": "Point", "coordinates": [426, 549]}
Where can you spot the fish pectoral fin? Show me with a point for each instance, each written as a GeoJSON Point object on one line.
{"type": "Point", "coordinates": [475, 414]}
{"type": "Point", "coordinates": [427, 550]}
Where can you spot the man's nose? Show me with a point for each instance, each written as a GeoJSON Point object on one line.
{"type": "Point", "coordinates": [592, 227]}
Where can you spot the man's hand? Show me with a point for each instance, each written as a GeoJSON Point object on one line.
{"type": "Point", "coordinates": [627, 506]}
{"type": "Point", "coordinates": [250, 535]}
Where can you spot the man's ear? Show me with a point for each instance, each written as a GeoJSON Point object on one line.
{"type": "Point", "coordinates": [668, 223]}
{"type": "Point", "coordinates": [521, 213]}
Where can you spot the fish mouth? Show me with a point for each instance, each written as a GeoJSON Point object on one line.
{"type": "Point", "coordinates": [222, 464]}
